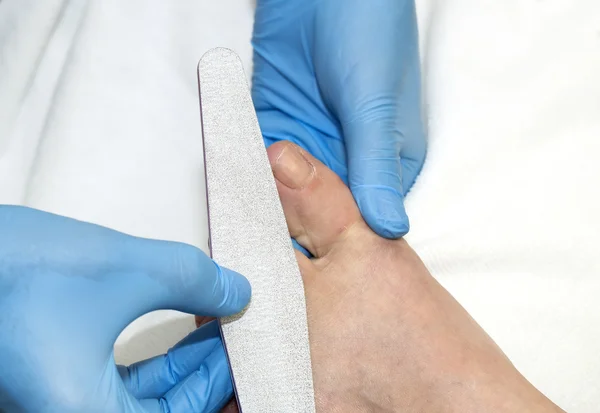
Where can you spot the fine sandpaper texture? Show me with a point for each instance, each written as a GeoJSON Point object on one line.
{"type": "Point", "coordinates": [267, 345]}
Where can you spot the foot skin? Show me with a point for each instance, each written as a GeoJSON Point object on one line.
{"type": "Point", "coordinates": [384, 335]}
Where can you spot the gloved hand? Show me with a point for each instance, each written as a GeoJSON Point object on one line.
{"type": "Point", "coordinates": [68, 288]}
{"type": "Point", "coordinates": [341, 78]}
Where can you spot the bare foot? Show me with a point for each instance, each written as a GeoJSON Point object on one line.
{"type": "Point", "coordinates": [384, 335]}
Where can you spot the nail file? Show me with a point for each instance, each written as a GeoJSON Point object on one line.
{"type": "Point", "coordinates": [267, 344]}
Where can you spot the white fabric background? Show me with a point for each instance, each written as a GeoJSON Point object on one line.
{"type": "Point", "coordinates": [99, 121]}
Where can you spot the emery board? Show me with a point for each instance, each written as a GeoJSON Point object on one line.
{"type": "Point", "coordinates": [267, 344]}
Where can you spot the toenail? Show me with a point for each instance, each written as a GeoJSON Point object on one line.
{"type": "Point", "coordinates": [292, 169]}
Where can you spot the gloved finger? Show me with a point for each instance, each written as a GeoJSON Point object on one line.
{"type": "Point", "coordinates": [154, 377]}
{"type": "Point", "coordinates": [384, 160]}
{"type": "Point", "coordinates": [375, 177]}
{"type": "Point", "coordinates": [376, 97]}
{"type": "Point", "coordinates": [171, 275]}
{"type": "Point", "coordinates": [207, 389]}
{"type": "Point", "coordinates": [301, 249]}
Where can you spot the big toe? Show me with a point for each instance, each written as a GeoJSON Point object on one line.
{"type": "Point", "coordinates": [319, 208]}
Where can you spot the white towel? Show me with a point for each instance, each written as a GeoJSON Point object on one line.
{"type": "Point", "coordinates": [99, 121]}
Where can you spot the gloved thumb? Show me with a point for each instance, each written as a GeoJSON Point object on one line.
{"type": "Point", "coordinates": [372, 82]}
{"type": "Point", "coordinates": [172, 275]}
{"type": "Point", "coordinates": [375, 174]}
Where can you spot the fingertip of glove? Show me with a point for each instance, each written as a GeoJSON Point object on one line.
{"type": "Point", "coordinates": [390, 230]}
{"type": "Point", "coordinates": [237, 291]}
{"type": "Point", "coordinates": [383, 210]}
{"type": "Point", "coordinates": [301, 249]}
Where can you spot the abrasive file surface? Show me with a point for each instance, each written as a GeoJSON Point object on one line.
{"type": "Point", "coordinates": [268, 344]}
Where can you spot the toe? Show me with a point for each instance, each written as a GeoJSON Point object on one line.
{"type": "Point", "coordinates": [318, 207]}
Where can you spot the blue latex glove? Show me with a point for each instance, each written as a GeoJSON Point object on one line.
{"type": "Point", "coordinates": [341, 78]}
{"type": "Point", "coordinates": [68, 288]}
